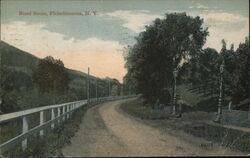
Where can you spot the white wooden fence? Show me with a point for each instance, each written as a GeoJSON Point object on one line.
{"type": "Point", "coordinates": [63, 112]}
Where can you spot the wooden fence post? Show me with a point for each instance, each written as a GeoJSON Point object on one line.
{"type": "Point", "coordinates": [52, 118]}
{"type": "Point", "coordinates": [25, 129]}
{"type": "Point", "coordinates": [58, 113]}
{"type": "Point", "coordinates": [41, 122]}
{"type": "Point", "coordinates": [68, 111]}
{"type": "Point", "coordinates": [63, 113]}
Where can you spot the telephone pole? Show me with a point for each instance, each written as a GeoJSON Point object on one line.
{"type": "Point", "coordinates": [96, 87]}
{"type": "Point", "coordinates": [88, 86]}
{"type": "Point", "coordinates": [109, 88]}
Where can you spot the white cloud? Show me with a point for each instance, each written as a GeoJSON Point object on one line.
{"type": "Point", "coordinates": [222, 17]}
{"type": "Point", "coordinates": [199, 6]}
{"type": "Point", "coordinates": [134, 20]}
{"type": "Point", "coordinates": [222, 25]}
{"type": "Point", "coordinates": [102, 56]}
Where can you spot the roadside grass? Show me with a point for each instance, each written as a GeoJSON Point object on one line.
{"type": "Point", "coordinates": [188, 95]}
{"type": "Point", "coordinates": [193, 102]}
{"type": "Point", "coordinates": [198, 101]}
{"type": "Point", "coordinates": [53, 141]}
{"type": "Point", "coordinates": [137, 108]}
{"type": "Point", "coordinates": [196, 124]}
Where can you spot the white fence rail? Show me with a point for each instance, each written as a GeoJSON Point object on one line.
{"type": "Point", "coordinates": [63, 112]}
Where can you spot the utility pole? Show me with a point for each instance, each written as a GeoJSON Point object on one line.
{"type": "Point", "coordinates": [96, 87]}
{"type": "Point", "coordinates": [109, 88]}
{"type": "Point", "coordinates": [88, 86]}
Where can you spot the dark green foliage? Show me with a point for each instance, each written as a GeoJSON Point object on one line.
{"type": "Point", "coordinates": [13, 57]}
{"type": "Point", "coordinates": [12, 82]}
{"type": "Point", "coordinates": [177, 41]}
{"type": "Point", "coordinates": [207, 105]}
{"type": "Point", "coordinates": [51, 76]}
{"type": "Point", "coordinates": [150, 61]}
{"type": "Point", "coordinates": [203, 72]}
{"type": "Point", "coordinates": [241, 87]}
{"type": "Point", "coordinates": [9, 102]}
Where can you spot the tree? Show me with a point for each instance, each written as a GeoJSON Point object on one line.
{"type": "Point", "coordinates": [150, 61]}
{"type": "Point", "coordinates": [236, 73]}
{"type": "Point", "coordinates": [202, 71]}
{"type": "Point", "coordinates": [231, 67]}
{"type": "Point", "coordinates": [8, 95]}
{"type": "Point", "coordinates": [241, 84]}
{"type": "Point", "coordinates": [51, 76]}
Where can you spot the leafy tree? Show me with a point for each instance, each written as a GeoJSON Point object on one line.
{"type": "Point", "coordinates": [236, 71]}
{"type": "Point", "coordinates": [150, 61]}
{"type": "Point", "coordinates": [202, 70]}
{"type": "Point", "coordinates": [9, 102]}
{"type": "Point", "coordinates": [241, 86]}
{"type": "Point", "coordinates": [51, 76]}
{"type": "Point", "coordinates": [6, 79]}
{"type": "Point", "coordinates": [116, 88]}
{"type": "Point", "coordinates": [231, 68]}
{"type": "Point", "coordinates": [8, 90]}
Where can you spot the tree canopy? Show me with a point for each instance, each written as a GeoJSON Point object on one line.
{"type": "Point", "coordinates": [51, 76]}
{"type": "Point", "coordinates": [161, 48]}
{"type": "Point", "coordinates": [203, 71]}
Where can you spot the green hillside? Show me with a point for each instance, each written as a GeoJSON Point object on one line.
{"type": "Point", "coordinates": [17, 59]}
{"type": "Point", "coordinates": [18, 91]}
{"type": "Point", "coordinates": [23, 61]}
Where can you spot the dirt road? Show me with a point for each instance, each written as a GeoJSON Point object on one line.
{"type": "Point", "coordinates": [105, 131]}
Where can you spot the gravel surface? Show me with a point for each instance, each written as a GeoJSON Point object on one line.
{"type": "Point", "coordinates": [106, 131]}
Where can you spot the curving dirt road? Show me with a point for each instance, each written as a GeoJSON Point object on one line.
{"type": "Point", "coordinates": [105, 131]}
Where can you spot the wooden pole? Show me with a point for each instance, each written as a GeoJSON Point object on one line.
{"type": "Point", "coordinates": [109, 88]}
{"type": "Point", "coordinates": [96, 88]}
{"type": "Point", "coordinates": [25, 129]}
{"type": "Point", "coordinates": [88, 86]}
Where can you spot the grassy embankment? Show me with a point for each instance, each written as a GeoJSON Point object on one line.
{"type": "Point", "coordinates": [19, 92]}
{"type": "Point", "coordinates": [137, 109]}
{"type": "Point", "coordinates": [53, 140]}
{"type": "Point", "coordinates": [196, 122]}
{"type": "Point", "coordinates": [190, 97]}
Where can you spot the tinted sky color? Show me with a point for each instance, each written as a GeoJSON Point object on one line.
{"type": "Point", "coordinates": [97, 40]}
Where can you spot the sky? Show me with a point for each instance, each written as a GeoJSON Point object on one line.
{"type": "Point", "coordinates": [97, 37]}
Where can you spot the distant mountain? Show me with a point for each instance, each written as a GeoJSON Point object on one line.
{"type": "Point", "coordinates": [20, 60]}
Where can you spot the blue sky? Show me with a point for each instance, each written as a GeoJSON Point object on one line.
{"type": "Point", "coordinates": [97, 41]}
